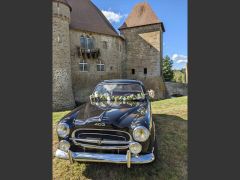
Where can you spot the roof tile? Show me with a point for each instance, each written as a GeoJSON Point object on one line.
{"type": "Point", "coordinates": [87, 17]}
{"type": "Point", "coordinates": [142, 14]}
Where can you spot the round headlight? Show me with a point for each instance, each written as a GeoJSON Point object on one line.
{"type": "Point", "coordinates": [63, 130]}
{"type": "Point", "coordinates": [140, 133]}
{"type": "Point", "coordinates": [135, 147]}
{"type": "Point", "coordinates": [64, 145]}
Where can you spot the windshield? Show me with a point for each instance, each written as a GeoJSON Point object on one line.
{"type": "Point", "coordinates": [118, 89]}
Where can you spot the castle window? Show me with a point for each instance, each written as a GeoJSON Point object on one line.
{"type": "Point", "coordinates": [100, 66]}
{"type": "Point", "coordinates": [133, 71]}
{"type": "Point", "coordinates": [59, 39]}
{"type": "Point", "coordinates": [89, 43]}
{"type": "Point", "coordinates": [145, 70]}
{"type": "Point", "coordinates": [86, 42]}
{"type": "Point", "coordinates": [105, 45]}
{"type": "Point", "coordinates": [83, 66]}
{"type": "Point", "coordinates": [83, 42]}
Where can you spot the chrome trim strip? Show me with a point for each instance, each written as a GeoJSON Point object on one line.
{"type": "Point", "coordinates": [73, 133]}
{"type": "Point", "coordinates": [70, 157]}
{"type": "Point", "coordinates": [106, 134]}
{"type": "Point", "coordinates": [101, 141]}
{"type": "Point", "coordinates": [101, 147]}
{"type": "Point", "coordinates": [108, 158]}
{"type": "Point", "coordinates": [126, 143]}
{"type": "Point", "coordinates": [128, 157]}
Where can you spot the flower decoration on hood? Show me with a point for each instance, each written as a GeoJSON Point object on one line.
{"type": "Point", "coordinates": [107, 97]}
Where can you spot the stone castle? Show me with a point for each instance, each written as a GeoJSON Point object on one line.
{"type": "Point", "coordinates": [87, 49]}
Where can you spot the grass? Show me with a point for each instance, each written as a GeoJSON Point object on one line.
{"type": "Point", "coordinates": [58, 115]}
{"type": "Point", "coordinates": [175, 107]}
{"type": "Point", "coordinates": [170, 116]}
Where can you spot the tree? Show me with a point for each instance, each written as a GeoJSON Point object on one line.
{"type": "Point", "coordinates": [179, 76]}
{"type": "Point", "coordinates": [167, 68]}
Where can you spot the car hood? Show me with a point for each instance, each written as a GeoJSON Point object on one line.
{"type": "Point", "coordinates": [106, 114]}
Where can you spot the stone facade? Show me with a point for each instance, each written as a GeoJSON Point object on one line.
{"type": "Point", "coordinates": [144, 51]}
{"type": "Point", "coordinates": [174, 88]}
{"type": "Point", "coordinates": [61, 63]}
{"type": "Point", "coordinates": [137, 49]}
{"type": "Point", "coordinates": [112, 52]}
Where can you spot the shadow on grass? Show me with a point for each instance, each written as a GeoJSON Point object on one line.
{"type": "Point", "coordinates": [172, 151]}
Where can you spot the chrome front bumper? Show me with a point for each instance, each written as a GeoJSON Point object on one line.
{"type": "Point", "coordinates": [108, 158]}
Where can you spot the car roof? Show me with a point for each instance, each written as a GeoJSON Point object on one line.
{"type": "Point", "coordinates": [123, 81]}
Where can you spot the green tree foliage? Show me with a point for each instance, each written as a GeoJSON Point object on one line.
{"type": "Point", "coordinates": [179, 76]}
{"type": "Point", "coordinates": [167, 68]}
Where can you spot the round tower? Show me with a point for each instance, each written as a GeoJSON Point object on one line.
{"type": "Point", "coordinates": [62, 92]}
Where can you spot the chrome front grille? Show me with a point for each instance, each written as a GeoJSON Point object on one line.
{"type": "Point", "coordinates": [101, 138]}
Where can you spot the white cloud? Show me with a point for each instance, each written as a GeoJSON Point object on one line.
{"type": "Point", "coordinates": [178, 58]}
{"type": "Point", "coordinates": [112, 16]}
{"type": "Point", "coordinates": [182, 61]}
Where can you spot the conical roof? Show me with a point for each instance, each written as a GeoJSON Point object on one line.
{"type": "Point", "coordinates": [142, 14]}
{"type": "Point", "coordinates": [87, 17]}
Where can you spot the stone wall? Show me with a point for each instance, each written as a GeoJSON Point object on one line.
{"type": "Point", "coordinates": [144, 50]}
{"type": "Point", "coordinates": [112, 57]}
{"type": "Point", "coordinates": [174, 88]}
{"type": "Point", "coordinates": [138, 48]}
{"type": "Point", "coordinates": [61, 64]}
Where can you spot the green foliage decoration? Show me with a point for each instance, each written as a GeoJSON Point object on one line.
{"type": "Point", "coordinates": [106, 97]}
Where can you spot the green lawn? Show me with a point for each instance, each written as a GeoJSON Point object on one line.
{"type": "Point", "coordinates": [170, 116]}
{"type": "Point", "coordinates": [175, 107]}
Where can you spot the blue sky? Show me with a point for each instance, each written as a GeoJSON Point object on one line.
{"type": "Point", "coordinates": [173, 13]}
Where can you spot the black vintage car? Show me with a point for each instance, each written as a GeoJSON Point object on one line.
{"type": "Point", "coordinates": [115, 126]}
